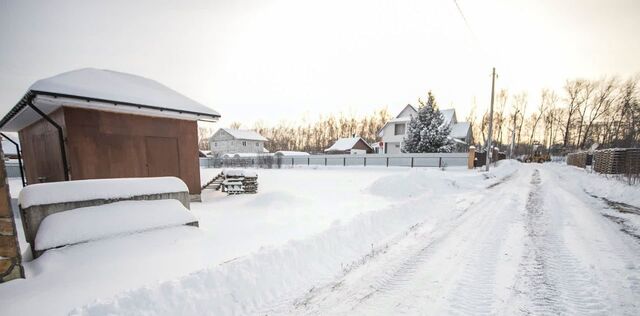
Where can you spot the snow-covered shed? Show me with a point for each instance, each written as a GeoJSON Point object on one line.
{"type": "Point", "coordinates": [352, 145]}
{"type": "Point", "coordinates": [93, 123]}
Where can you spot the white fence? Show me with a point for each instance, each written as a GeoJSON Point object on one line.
{"type": "Point", "coordinates": [384, 160]}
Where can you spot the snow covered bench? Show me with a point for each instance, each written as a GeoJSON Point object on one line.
{"type": "Point", "coordinates": [38, 201]}
{"type": "Point", "coordinates": [109, 220]}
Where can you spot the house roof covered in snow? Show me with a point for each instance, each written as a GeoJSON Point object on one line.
{"type": "Point", "coordinates": [244, 134]}
{"type": "Point", "coordinates": [104, 90]}
{"type": "Point", "coordinates": [344, 144]}
{"type": "Point", "coordinates": [448, 114]}
{"type": "Point", "coordinates": [460, 130]}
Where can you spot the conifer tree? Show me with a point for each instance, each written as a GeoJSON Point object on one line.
{"type": "Point", "coordinates": [427, 131]}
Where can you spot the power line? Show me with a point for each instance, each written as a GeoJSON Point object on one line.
{"type": "Point", "coordinates": [465, 20]}
{"type": "Point", "coordinates": [474, 38]}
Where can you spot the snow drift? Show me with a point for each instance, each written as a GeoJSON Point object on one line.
{"type": "Point", "coordinates": [247, 284]}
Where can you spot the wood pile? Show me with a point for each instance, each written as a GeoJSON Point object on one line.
{"type": "Point", "coordinates": [610, 161]}
{"type": "Point", "coordinates": [577, 159]}
{"type": "Point", "coordinates": [233, 186]}
{"type": "Point", "coordinates": [240, 182]}
{"type": "Point", "coordinates": [214, 183]}
{"type": "Point", "coordinates": [250, 184]}
{"type": "Point", "coordinates": [633, 160]}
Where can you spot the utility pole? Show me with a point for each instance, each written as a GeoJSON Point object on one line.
{"type": "Point", "coordinates": [493, 84]}
{"type": "Point", "coordinates": [513, 135]}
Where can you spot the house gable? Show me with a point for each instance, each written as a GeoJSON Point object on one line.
{"type": "Point", "coordinates": [222, 135]}
{"type": "Point", "coordinates": [408, 111]}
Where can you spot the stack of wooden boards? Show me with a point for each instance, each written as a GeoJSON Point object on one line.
{"type": "Point", "coordinates": [617, 160]}
{"type": "Point", "coordinates": [578, 159]}
{"type": "Point", "coordinates": [239, 181]}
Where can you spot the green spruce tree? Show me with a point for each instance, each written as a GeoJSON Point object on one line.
{"type": "Point", "coordinates": [427, 131]}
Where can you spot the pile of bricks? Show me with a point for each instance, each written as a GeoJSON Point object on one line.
{"type": "Point", "coordinates": [10, 255]}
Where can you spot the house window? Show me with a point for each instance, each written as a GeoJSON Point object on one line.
{"type": "Point", "coordinates": [215, 144]}
{"type": "Point", "coordinates": [397, 145]}
{"type": "Point", "coordinates": [257, 144]}
{"type": "Point", "coordinates": [244, 143]}
{"type": "Point", "coordinates": [399, 129]}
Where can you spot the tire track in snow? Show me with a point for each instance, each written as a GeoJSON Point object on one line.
{"type": "Point", "coordinates": [399, 275]}
{"type": "Point", "coordinates": [475, 292]}
{"type": "Point", "coordinates": [551, 280]}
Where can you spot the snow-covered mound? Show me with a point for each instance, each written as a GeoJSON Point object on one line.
{"type": "Point", "coordinates": [83, 190]}
{"type": "Point", "coordinates": [413, 183]}
{"type": "Point", "coordinates": [239, 173]}
{"type": "Point", "coordinates": [98, 222]}
{"type": "Point", "coordinates": [600, 185]}
{"type": "Point", "coordinates": [241, 286]}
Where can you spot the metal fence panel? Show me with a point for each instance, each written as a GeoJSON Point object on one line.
{"type": "Point", "coordinates": [389, 160]}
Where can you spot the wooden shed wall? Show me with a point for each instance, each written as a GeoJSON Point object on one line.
{"type": "Point", "coordinates": [41, 150]}
{"type": "Point", "coordinates": [362, 145]}
{"type": "Point", "coordinates": [113, 145]}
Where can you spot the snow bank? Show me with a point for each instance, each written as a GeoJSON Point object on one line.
{"type": "Point", "coordinates": [98, 222]}
{"type": "Point", "coordinates": [207, 175]}
{"type": "Point", "coordinates": [285, 153]}
{"type": "Point", "coordinates": [600, 185]}
{"type": "Point", "coordinates": [245, 285]}
{"type": "Point", "coordinates": [83, 190]}
{"type": "Point", "coordinates": [419, 181]}
{"type": "Point", "coordinates": [413, 183]}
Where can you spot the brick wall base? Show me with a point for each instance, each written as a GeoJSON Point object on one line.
{"type": "Point", "coordinates": [10, 255]}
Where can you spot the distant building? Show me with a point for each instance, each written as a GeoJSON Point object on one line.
{"type": "Point", "coordinates": [395, 130]}
{"type": "Point", "coordinates": [353, 145]}
{"type": "Point", "coordinates": [232, 141]}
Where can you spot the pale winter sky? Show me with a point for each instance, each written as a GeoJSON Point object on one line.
{"type": "Point", "coordinates": [283, 60]}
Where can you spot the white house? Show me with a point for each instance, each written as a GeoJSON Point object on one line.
{"type": "Point", "coordinates": [232, 141]}
{"type": "Point", "coordinates": [395, 130]}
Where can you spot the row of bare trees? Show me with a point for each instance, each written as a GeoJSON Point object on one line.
{"type": "Point", "coordinates": [586, 112]}
{"type": "Point", "coordinates": [313, 137]}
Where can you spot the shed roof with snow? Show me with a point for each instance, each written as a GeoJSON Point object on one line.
{"type": "Point", "coordinates": [128, 125]}
{"type": "Point", "coordinates": [105, 90]}
{"type": "Point", "coordinates": [346, 144]}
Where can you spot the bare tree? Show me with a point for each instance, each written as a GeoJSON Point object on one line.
{"type": "Point", "coordinates": [601, 103]}
{"type": "Point", "coordinates": [572, 89]}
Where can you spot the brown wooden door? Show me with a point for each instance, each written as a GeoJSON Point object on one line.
{"type": "Point", "coordinates": [162, 156]}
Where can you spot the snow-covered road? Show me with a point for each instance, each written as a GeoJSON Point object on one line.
{"type": "Point", "coordinates": [535, 243]}
{"type": "Point", "coordinates": [523, 239]}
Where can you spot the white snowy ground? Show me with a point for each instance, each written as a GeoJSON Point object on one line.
{"type": "Point", "coordinates": [523, 239]}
